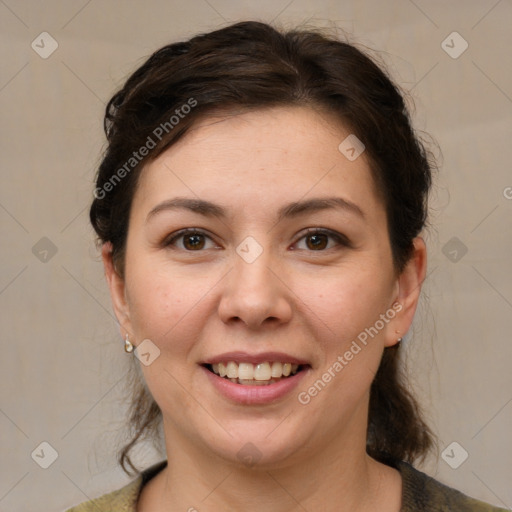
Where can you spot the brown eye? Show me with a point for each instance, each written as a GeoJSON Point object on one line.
{"type": "Point", "coordinates": [192, 240]}
{"type": "Point", "coordinates": [319, 239]}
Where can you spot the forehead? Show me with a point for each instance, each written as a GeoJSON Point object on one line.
{"type": "Point", "coordinates": [265, 157]}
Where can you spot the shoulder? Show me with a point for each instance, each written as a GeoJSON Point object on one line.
{"type": "Point", "coordinates": [423, 493]}
{"type": "Point", "coordinates": [124, 499]}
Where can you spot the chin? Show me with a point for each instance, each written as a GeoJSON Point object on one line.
{"type": "Point", "coordinates": [257, 446]}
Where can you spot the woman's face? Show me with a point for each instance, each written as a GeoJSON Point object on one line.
{"type": "Point", "coordinates": [254, 282]}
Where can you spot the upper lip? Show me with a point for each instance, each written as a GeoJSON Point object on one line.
{"type": "Point", "coordinates": [245, 357]}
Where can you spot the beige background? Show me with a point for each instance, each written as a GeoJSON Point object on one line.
{"type": "Point", "coordinates": [62, 362]}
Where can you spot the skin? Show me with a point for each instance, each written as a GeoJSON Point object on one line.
{"type": "Point", "coordinates": [296, 298]}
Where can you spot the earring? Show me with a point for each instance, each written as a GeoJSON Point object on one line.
{"type": "Point", "coordinates": [128, 347]}
{"type": "Point", "coordinates": [399, 339]}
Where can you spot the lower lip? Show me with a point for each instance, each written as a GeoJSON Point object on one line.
{"type": "Point", "coordinates": [255, 395]}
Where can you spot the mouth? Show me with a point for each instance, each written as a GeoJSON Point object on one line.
{"type": "Point", "coordinates": [259, 374]}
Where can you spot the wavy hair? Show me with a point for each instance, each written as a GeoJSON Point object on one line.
{"type": "Point", "coordinates": [253, 65]}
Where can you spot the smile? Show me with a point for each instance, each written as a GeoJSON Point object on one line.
{"type": "Point", "coordinates": [249, 374]}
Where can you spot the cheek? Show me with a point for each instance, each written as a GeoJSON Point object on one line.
{"type": "Point", "coordinates": [158, 303]}
{"type": "Point", "coordinates": [346, 305]}
{"type": "Point", "coordinates": [170, 307]}
{"type": "Point", "coordinates": [351, 351]}
{"type": "Point", "coordinates": [167, 311]}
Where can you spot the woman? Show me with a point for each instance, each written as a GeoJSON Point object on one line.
{"type": "Point", "coordinates": [259, 207]}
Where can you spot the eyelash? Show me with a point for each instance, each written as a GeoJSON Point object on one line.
{"type": "Point", "coordinates": [340, 239]}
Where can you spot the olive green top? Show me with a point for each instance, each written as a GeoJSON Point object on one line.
{"type": "Point", "coordinates": [420, 493]}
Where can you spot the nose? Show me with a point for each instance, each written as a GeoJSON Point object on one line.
{"type": "Point", "coordinates": [255, 294]}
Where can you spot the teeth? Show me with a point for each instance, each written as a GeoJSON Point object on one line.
{"type": "Point", "coordinates": [232, 370]}
{"type": "Point", "coordinates": [255, 382]}
{"type": "Point", "coordinates": [245, 371]}
{"type": "Point", "coordinates": [277, 369]}
{"type": "Point", "coordinates": [248, 373]}
{"type": "Point", "coordinates": [262, 371]}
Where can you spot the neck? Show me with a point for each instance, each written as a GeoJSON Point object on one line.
{"type": "Point", "coordinates": [340, 478]}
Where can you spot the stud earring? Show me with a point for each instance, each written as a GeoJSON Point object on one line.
{"type": "Point", "coordinates": [128, 347]}
{"type": "Point", "coordinates": [399, 339]}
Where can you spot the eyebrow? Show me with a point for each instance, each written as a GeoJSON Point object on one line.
{"type": "Point", "coordinates": [209, 209]}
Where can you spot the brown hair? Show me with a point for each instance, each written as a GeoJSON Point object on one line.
{"type": "Point", "coordinates": [252, 65]}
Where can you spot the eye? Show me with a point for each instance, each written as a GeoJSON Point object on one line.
{"type": "Point", "coordinates": [195, 240]}
{"type": "Point", "coordinates": [318, 239]}
{"type": "Point", "coordinates": [192, 240]}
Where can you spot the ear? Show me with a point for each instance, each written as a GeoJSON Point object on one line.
{"type": "Point", "coordinates": [409, 287]}
{"type": "Point", "coordinates": [116, 285]}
